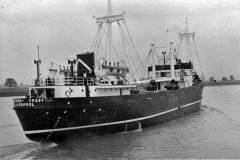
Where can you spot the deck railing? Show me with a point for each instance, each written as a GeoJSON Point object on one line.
{"type": "Point", "coordinates": [66, 81]}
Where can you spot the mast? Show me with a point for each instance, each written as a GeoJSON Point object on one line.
{"type": "Point", "coordinates": [38, 62]}
{"type": "Point", "coordinates": [104, 47]}
{"type": "Point", "coordinates": [153, 62]}
{"type": "Point", "coordinates": [171, 51]}
{"type": "Point", "coordinates": [164, 58]}
{"type": "Point", "coordinates": [187, 38]}
{"type": "Point", "coordinates": [172, 59]}
{"type": "Point", "coordinates": [109, 23]}
{"type": "Point", "coordinates": [190, 36]}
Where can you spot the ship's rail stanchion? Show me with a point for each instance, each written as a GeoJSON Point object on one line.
{"type": "Point", "coordinates": [90, 81]}
{"type": "Point", "coordinates": [64, 81]}
{"type": "Point", "coordinates": [79, 81]}
{"type": "Point", "coordinates": [50, 82]}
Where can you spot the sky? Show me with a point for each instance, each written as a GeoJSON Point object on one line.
{"type": "Point", "coordinates": [64, 28]}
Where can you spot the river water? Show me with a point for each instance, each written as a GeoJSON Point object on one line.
{"type": "Point", "coordinates": [214, 132]}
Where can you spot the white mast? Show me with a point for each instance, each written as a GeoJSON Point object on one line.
{"type": "Point", "coordinates": [109, 14]}
{"type": "Point", "coordinates": [186, 35]}
{"type": "Point", "coordinates": [187, 39]}
{"type": "Point", "coordinates": [106, 49]}
{"type": "Point", "coordinates": [108, 20]}
{"type": "Point", "coordinates": [171, 50]}
{"type": "Point", "coordinates": [153, 62]}
{"type": "Point", "coordinates": [172, 59]}
{"type": "Point", "coordinates": [190, 36]}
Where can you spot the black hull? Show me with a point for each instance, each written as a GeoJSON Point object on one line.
{"type": "Point", "coordinates": [61, 118]}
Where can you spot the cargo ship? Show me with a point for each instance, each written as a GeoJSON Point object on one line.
{"type": "Point", "coordinates": [97, 96]}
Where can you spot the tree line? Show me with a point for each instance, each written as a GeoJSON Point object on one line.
{"type": "Point", "coordinates": [224, 78]}
{"type": "Point", "coordinates": [11, 83]}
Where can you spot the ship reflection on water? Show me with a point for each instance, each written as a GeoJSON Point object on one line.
{"type": "Point", "coordinates": [205, 134]}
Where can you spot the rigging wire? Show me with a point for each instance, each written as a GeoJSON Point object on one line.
{"type": "Point", "coordinates": [124, 46]}
{"type": "Point", "coordinates": [100, 40]}
{"type": "Point", "coordinates": [133, 49]}
{"type": "Point", "coordinates": [127, 47]}
{"type": "Point", "coordinates": [198, 59]}
{"type": "Point", "coordinates": [145, 63]}
{"type": "Point", "coordinates": [114, 48]}
{"type": "Point", "coordinates": [133, 44]}
{"type": "Point", "coordinates": [95, 39]}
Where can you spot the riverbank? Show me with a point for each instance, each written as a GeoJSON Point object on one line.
{"type": "Point", "coordinates": [8, 92]}
{"type": "Point", "coordinates": [222, 83]}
